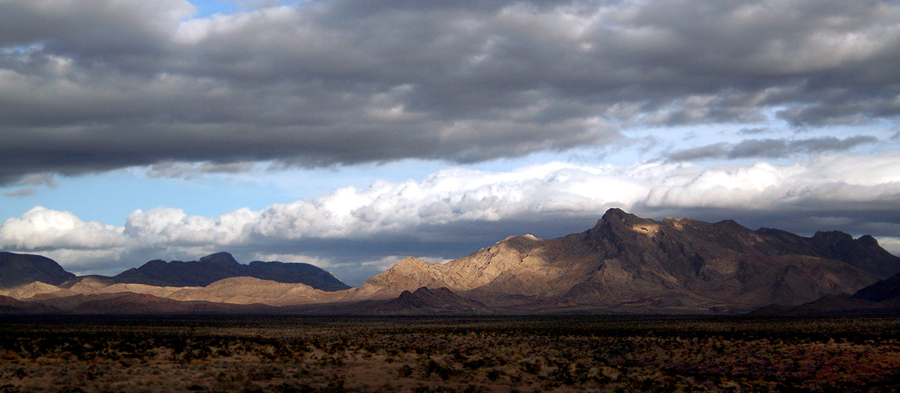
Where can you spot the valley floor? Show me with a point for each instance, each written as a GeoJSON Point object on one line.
{"type": "Point", "coordinates": [448, 354]}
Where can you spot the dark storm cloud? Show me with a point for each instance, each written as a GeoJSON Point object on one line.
{"type": "Point", "coordinates": [770, 148]}
{"type": "Point", "coordinates": [97, 85]}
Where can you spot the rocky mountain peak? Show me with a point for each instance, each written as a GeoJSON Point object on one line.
{"type": "Point", "coordinates": [410, 264]}
{"type": "Point", "coordinates": [518, 243]}
{"type": "Point", "coordinates": [220, 258]}
{"type": "Point", "coordinates": [616, 220]}
{"type": "Point", "coordinates": [831, 237]}
{"type": "Point", "coordinates": [616, 216]}
{"type": "Point", "coordinates": [868, 241]}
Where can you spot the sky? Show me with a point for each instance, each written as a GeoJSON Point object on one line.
{"type": "Point", "coordinates": [350, 134]}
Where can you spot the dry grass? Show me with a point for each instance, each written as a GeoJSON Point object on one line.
{"type": "Point", "coordinates": [545, 354]}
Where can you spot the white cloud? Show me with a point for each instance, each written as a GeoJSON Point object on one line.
{"type": "Point", "coordinates": [45, 228]}
{"type": "Point", "coordinates": [891, 244]}
{"type": "Point", "coordinates": [79, 257]}
{"type": "Point", "coordinates": [265, 257]}
{"type": "Point", "coordinates": [169, 226]}
{"type": "Point", "coordinates": [471, 197]}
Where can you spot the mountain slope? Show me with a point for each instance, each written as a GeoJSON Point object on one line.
{"type": "Point", "coordinates": [219, 266]}
{"type": "Point", "coordinates": [18, 269]}
{"type": "Point", "coordinates": [863, 253]}
{"type": "Point", "coordinates": [10, 305]}
{"type": "Point", "coordinates": [633, 263]}
{"type": "Point", "coordinates": [880, 297]}
{"type": "Point", "coordinates": [883, 291]}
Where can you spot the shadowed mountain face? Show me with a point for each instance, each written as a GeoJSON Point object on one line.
{"type": "Point", "coordinates": [864, 253]}
{"type": "Point", "coordinates": [215, 267]}
{"type": "Point", "coordinates": [880, 297]}
{"type": "Point", "coordinates": [678, 264]}
{"type": "Point", "coordinates": [19, 269]}
{"type": "Point", "coordinates": [426, 300]}
{"type": "Point", "coordinates": [9, 305]}
{"type": "Point", "coordinates": [883, 291]}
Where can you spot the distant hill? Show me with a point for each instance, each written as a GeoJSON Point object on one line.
{"type": "Point", "coordinates": [429, 301]}
{"type": "Point", "coordinates": [9, 305]}
{"type": "Point", "coordinates": [19, 269]}
{"type": "Point", "coordinates": [215, 267]}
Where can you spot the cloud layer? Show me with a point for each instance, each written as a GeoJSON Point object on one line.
{"type": "Point", "coordinates": [434, 217]}
{"type": "Point", "coordinates": [89, 86]}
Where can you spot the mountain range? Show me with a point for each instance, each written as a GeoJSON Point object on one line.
{"type": "Point", "coordinates": [222, 265]}
{"type": "Point", "coordinates": [624, 264]}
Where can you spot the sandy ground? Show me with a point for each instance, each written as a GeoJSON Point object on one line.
{"type": "Point", "coordinates": [571, 354]}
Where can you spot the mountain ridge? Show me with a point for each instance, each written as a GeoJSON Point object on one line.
{"type": "Point", "coordinates": [623, 264]}
{"type": "Point", "coordinates": [627, 260]}
{"type": "Point", "coordinates": [222, 265]}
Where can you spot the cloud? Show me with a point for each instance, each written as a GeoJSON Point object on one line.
{"type": "Point", "coordinates": [41, 228]}
{"type": "Point", "coordinates": [753, 131]}
{"type": "Point", "coordinates": [41, 179]}
{"type": "Point", "coordinates": [188, 171]}
{"type": "Point", "coordinates": [770, 148]}
{"type": "Point", "coordinates": [21, 193]}
{"type": "Point", "coordinates": [172, 227]}
{"type": "Point", "coordinates": [89, 86]}
{"type": "Point", "coordinates": [453, 212]}
{"type": "Point", "coordinates": [716, 150]}
{"type": "Point", "coordinates": [892, 244]}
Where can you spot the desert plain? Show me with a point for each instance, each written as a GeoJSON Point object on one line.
{"type": "Point", "coordinates": [449, 354]}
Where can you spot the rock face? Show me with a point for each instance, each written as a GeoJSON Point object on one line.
{"type": "Point", "coordinates": [630, 263]}
{"type": "Point", "coordinates": [18, 269]}
{"type": "Point", "coordinates": [219, 266]}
